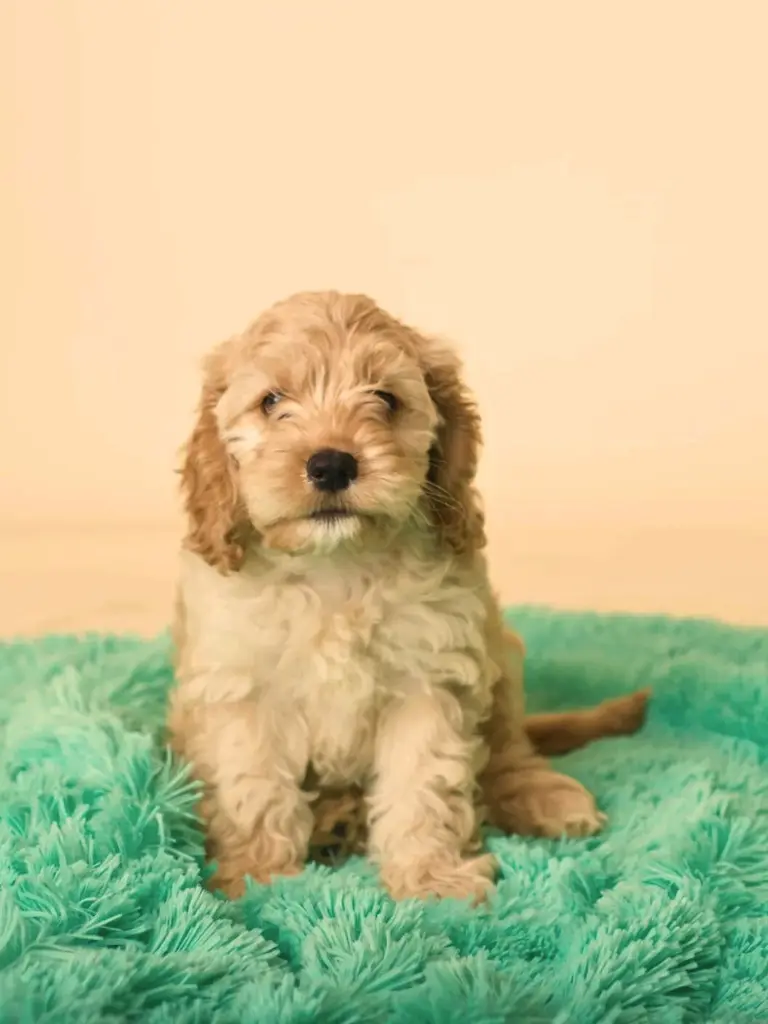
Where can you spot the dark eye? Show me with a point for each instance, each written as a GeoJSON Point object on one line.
{"type": "Point", "coordinates": [269, 401]}
{"type": "Point", "coordinates": [389, 400]}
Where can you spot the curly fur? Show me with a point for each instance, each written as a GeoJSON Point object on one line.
{"type": "Point", "coordinates": [364, 650]}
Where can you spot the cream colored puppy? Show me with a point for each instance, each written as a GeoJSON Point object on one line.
{"type": "Point", "coordinates": [335, 624]}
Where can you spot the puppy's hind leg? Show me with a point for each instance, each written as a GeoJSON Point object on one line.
{"type": "Point", "coordinates": [521, 792]}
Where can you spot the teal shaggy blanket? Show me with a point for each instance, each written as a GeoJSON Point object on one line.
{"type": "Point", "coordinates": [664, 918]}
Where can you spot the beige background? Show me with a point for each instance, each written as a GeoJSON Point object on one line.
{"type": "Point", "coordinates": [575, 192]}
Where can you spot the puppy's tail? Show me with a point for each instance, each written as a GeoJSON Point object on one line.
{"type": "Point", "coordinates": [562, 732]}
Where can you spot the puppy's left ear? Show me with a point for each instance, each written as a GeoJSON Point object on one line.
{"type": "Point", "coordinates": [450, 492]}
{"type": "Point", "coordinates": [216, 524]}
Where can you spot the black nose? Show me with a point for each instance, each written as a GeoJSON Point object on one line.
{"type": "Point", "coordinates": [331, 470]}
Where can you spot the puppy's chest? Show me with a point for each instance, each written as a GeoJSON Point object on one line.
{"type": "Point", "coordinates": [342, 645]}
{"type": "Point", "coordinates": [335, 631]}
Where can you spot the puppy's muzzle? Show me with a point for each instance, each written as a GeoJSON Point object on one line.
{"type": "Point", "coordinates": [330, 470]}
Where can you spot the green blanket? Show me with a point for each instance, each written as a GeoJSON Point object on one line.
{"type": "Point", "coordinates": [664, 918]}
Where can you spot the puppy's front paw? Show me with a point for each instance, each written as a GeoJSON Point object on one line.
{"type": "Point", "coordinates": [470, 878]}
{"type": "Point", "coordinates": [548, 804]}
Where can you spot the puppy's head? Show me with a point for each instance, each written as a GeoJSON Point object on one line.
{"type": "Point", "coordinates": [328, 420]}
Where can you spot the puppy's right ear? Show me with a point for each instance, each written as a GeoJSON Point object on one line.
{"type": "Point", "coordinates": [217, 524]}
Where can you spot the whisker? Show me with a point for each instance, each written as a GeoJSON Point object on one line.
{"type": "Point", "coordinates": [443, 498]}
{"type": "Point", "coordinates": [438, 491]}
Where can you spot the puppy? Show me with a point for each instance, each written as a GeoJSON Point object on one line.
{"type": "Point", "coordinates": [336, 631]}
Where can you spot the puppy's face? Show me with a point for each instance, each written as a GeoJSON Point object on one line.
{"type": "Point", "coordinates": [329, 431]}
{"type": "Point", "coordinates": [328, 420]}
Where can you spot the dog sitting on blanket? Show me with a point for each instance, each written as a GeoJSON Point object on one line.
{"type": "Point", "coordinates": [343, 671]}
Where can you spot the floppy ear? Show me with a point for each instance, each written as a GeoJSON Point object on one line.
{"type": "Point", "coordinates": [217, 526]}
{"type": "Point", "coordinates": [450, 493]}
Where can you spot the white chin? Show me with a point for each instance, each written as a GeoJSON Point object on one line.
{"type": "Point", "coordinates": [326, 534]}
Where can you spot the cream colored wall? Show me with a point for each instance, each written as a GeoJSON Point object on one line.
{"type": "Point", "coordinates": [575, 192]}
